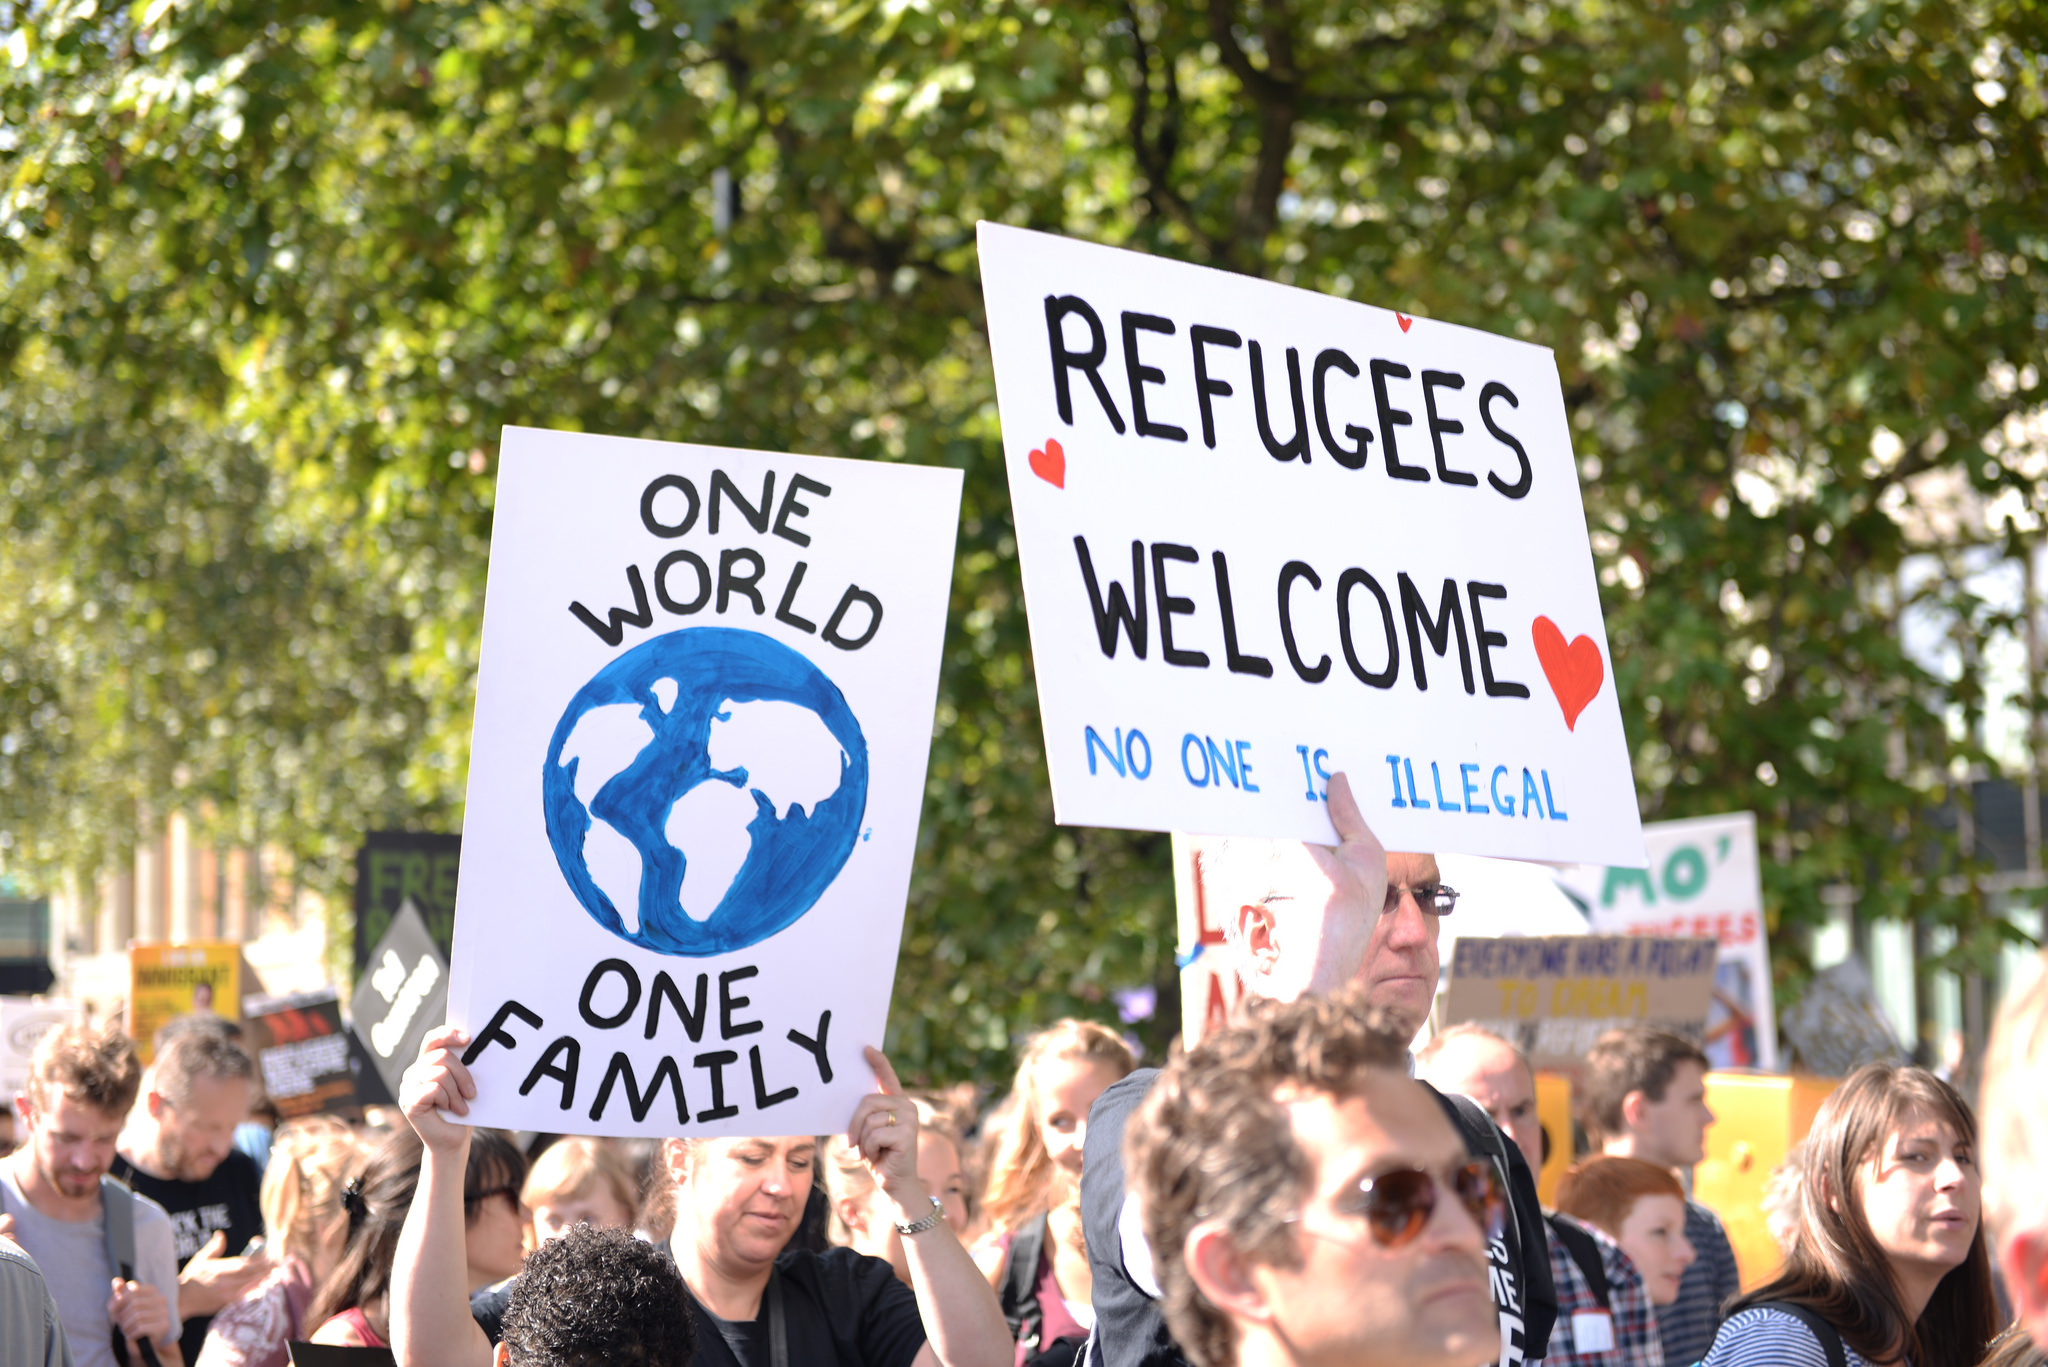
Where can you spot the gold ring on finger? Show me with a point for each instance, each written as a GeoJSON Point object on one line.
{"type": "Point", "coordinates": [891, 1118]}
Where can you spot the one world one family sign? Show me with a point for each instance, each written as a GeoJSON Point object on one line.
{"type": "Point", "coordinates": [702, 722]}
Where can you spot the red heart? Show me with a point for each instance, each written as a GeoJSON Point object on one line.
{"type": "Point", "coordinates": [1403, 319]}
{"type": "Point", "coordinates": [1575, 671]}
{"type": "Point", "coordinates": [1050, 465]}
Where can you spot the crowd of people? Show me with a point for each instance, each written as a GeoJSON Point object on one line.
{"type": "Point", "coordinates": [1304, 1188]}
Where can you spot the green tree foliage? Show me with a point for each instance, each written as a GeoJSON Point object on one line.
{"type": "Point", "coordinates": [1791, 257]}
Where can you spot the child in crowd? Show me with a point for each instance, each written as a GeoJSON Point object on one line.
{"type": "Point", "coordinates": [1036, 1256]}
{"type": "Point", "coordinates": [1617, 1248]}
{"type": "Point", "coordinates": [579, 1181]}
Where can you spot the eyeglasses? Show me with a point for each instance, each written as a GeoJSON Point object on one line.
{"type": "Point", "coordinates": [1434, 898]}
{"type": "Point", "coordinates": [510, 1193]}
{"type": "Point", "coordinates": [1396, 1206]}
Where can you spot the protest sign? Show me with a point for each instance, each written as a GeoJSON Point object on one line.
{"type": "Point", "coordinates": [1702, 879]}
{"type": "Point", "coordinates": [302, 1050]}
{"type": "Point", "coordinates": [23, 1023]}
{"type": "Point", "coordinates": [168, 981]}
{"type": "Point", "coordinates": [1268, 535]}
{"type": "Point", "coordinates": [702, 724]}
{"type": "Point", "coordinates": [398, 866]}
{"type": "Point", "coordinates": [1209, 986]}
{"type": "Point", "coordinates": [1554, 995]}
{"type": "Point", "coordinates": [401, 996]}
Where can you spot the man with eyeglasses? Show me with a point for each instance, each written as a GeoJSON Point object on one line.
{"type": "Point", "coordinates": [1308, 1202]}
{"type": "Point", "coordinates": [1312, 921]}
{"type": "Point", "coordinates": [179, 1150]}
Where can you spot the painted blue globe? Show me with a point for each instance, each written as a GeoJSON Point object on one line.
{"type": "Point", "coordinates": [704, 789]}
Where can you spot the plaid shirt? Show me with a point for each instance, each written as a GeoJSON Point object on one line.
{"type": "Point", "coordinates": [1687, 1325]}
{"type": "Point", "coordinates": [1635, 1323]}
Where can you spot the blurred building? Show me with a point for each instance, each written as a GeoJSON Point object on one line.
{"type": "Point", "coordinates": [181, 889]}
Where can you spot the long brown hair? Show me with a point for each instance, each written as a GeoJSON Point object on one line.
{"type": "Point", "coordinates": [1020, 1176]}
{"type": "Point", "coordinates": [377, 1202]}
{"type": "Point", "coordinates": [1835, 1265]}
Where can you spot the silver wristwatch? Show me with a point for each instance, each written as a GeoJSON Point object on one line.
{"type": "Point", "coordinates": [930, 1221]}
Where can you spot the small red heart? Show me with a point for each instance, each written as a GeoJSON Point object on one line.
{"type": "Point", "coordinates": [1403, 319]}
{"type": "Point", "coordinates": [1050, 465]}
{"type": "Point", "coordinates": [1575, 671]}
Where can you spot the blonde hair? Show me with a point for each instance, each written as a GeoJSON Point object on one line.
{"type": "Point", "coordinates": [309, 1160]}
{"type": "Point", "coordinates": [2015, 1071]}
{"type": "Point", "coordinates": [847, 1177]}
{"type": "Point", "coordinates": [571, 1168]}
{"type": "Point", "coordinates": [1020, 1177]}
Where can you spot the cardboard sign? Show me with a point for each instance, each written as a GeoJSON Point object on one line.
{"type": "Point", "coordinates": [1703, 878]}
{"type": "Point", "coordinates": [1556, 994]}
{"type": "Point", "coordinates": [402, 995]}
{"type": "Point", "coordinates": [23, 1023]}
{"type": "Point", "coordinates": [399, 866]}
{"type": "Point", "coordinates": [168, 981]}
{"type": "Point", "coordinates": [1268, 535]}
{"type": "Point", "coordinates": [302, 1049]}
{"type": "Point", "coordinates": [702, 726]}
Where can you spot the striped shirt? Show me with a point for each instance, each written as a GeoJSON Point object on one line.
{"type": "Point", "coordinates": [1687, 1325]}
{"type": "Point", "coordinates": [1762, 1337]}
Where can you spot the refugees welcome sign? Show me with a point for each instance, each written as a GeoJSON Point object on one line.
{"type": "Point", "coordinates": [702, 724]}
{"type": "Point", "coordinates": [1269, 535]}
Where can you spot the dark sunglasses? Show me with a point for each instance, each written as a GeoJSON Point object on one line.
{"type": "Point", "coordinates": [1396, 1206]}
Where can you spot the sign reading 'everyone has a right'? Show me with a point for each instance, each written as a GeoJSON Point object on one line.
{"type": "Point", "coordinates": [1268, 535]}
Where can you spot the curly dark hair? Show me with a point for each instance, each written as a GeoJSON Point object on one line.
{"type": "Point", "coordinates": [593, 1297]}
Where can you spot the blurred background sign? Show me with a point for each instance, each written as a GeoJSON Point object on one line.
{"type": "Point", "coordinates": [1703, 879]}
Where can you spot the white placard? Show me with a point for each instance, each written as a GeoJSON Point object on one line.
{"type": "Point", "coordinates": [1268, 535]}
{"type": "Point", "coordinates": [23, 1023]}
{"type": "Point", "coordinates": [702, 725]}
{"type": "Point", "coordinates": [1703, 879]}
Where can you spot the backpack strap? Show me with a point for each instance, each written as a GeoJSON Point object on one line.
{"type": "Point", "coordinates": [1020, 1280]}
{"type": "Point", "coordinates": [1830, 1337]}
{"type": "Point", "coordinates": [117, 1202]}
{"type": "Point", "coordinates": [1585, 1251]}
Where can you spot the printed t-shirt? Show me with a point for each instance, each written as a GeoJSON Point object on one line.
{"type": "Point", "coordinates": [73, 1256]}
{"type": "Point", "coordinates": [254, 1331]}
{"type": "Point", "coordinates": [226, 1200]}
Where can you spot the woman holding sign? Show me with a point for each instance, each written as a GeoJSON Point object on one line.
{"type": "Point", "coordinates": [736, 1202]}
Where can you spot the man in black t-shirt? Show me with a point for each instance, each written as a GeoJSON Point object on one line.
{"type": "Point", "coordinates": [178, 1150]}
{"type": "Point", "coordinates": [1310, 920]}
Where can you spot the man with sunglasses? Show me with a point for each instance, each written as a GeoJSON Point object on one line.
{"type": "Point", "coordinates": [1308, 1202]}
{"type": "Point", "coordinates": [1305, 921]}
